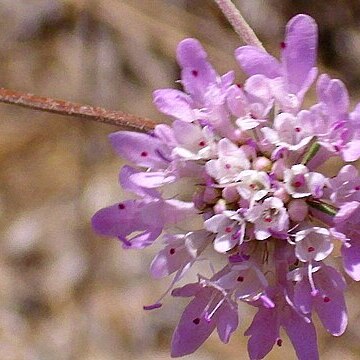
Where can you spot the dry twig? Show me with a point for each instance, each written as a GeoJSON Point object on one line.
{"type": "Point", "coordinates": [87, 112]}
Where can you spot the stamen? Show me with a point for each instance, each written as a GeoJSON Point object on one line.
{"type": "Point", "coordinates": [283, 45]}
{"type": "Point", "coordinates": [240, 278]}
{"type": "Point", "coordinates": [125, 241]}
{"type": "Point", "coordinates": [172, 251]}
{"type": "Point", "coordinates": [152, 307]}
{"type": "Point", "coordinates": [267, 302]}
{"type": "Point", "coordinates": [314, 290]}
{"type": "Point", "coordinates": [279, 342]}
{"type": "Point", "coordinates": [209, 316]}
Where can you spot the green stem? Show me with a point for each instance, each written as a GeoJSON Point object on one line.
{"type": "Point", "coordinates": [323, 207]}
{"type": "Point", "coordinates": [311, 152]}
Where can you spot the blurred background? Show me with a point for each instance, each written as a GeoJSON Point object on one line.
{"type": "Point", "coordinates": [65, 293]}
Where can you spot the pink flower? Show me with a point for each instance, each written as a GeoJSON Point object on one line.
{"type": "Point", "coordinates": [255, 188]}
{"type": "Point", "coordinates": [210, 309]}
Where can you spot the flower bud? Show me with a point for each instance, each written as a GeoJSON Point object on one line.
{"type": "Point", "coordinates": [278, 169]}
{"type": "Point", "coordinates": [298, 210]}
{"type": "Point", "coordinates": [220, 206]}
{"type": "Point", "coordinates": [262, 163]}
{"type": "Point", "coordinates": [230, 194]}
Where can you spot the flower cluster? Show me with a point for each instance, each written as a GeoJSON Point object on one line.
{"type": "Point", "coordinates": [267, 203]}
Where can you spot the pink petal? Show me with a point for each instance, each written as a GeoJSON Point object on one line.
{"type": "Point", "coordinates": [197, 74]}
{"type": "Point", "coordinates": [351, 259]}
{"type": "Point", "coordinates": [141, 149]}
{"type": "Point", "coordinates": [227, 322]}
{"type": "Point", "coordinates": [299, 53]}
{"type": "Point", "coordinates": [302, 335]}
{"type": "Point", "coordinates": [192, 329]}
{"type": "Point", "coordinates": [256, 61]}
{"type": "Point", "coordinates": [174, 103]}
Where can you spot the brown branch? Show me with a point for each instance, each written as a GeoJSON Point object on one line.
{"type": "Point", "coordinates": [67, 108]}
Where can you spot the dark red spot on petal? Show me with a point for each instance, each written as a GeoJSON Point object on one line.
{"type": "Point", "coordinates": [268, 219]}
{"type": "Point", "coordinates": [172, 251]}
{"type": "Point", "coordinates": [202, 143]}
{"type": "Point", "coordinates": [196, 321]}
{"type": "Point", "coordinates": [228, 229]}
{"type": "Point", "coordinates": [311, 249]}
{"type": "Point", "coordinates": [279, 342]}
{"type": "Point", "coordinates": [195, 73]}
{"type": "Point", "coordinates": [326, 299]}
{"type": "Point", "coordinates": [144, 154]}
{"type": "Point", "coordinates": [239, 85]}
{"type": "Point", "coordinates": [227, 166]}
{"type": "Point", "coordinates": [297, 129]}
{"type": "Point", "coordinates": [297, 184]}
{"type": "Point", "coordinates": [357, 188]}
{"type": "Point", "coordinates": [240, 278]}
{"type": "Point", "coordinates": [121, 206]}
{"type": "Point", "coordinates": [337, 148]}
{"type": "Point", "coordinates": [283, 45]}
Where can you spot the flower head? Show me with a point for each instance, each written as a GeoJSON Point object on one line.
{"type": "Point", "coordinates": [264, 204]}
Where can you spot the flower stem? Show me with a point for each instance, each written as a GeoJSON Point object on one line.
{"type": "Point", "coordinates": [87, 112]}
{"type": "Point", "coordinates": [239, 24]}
